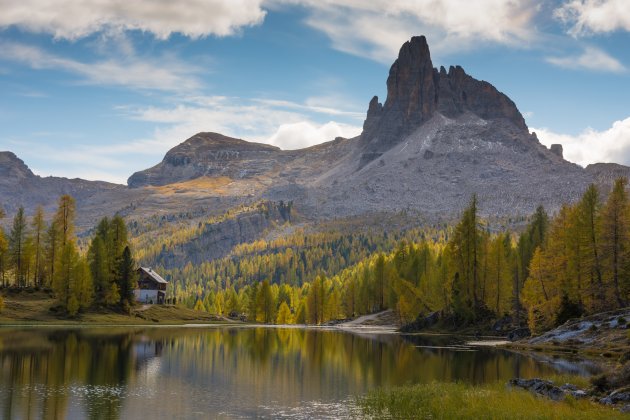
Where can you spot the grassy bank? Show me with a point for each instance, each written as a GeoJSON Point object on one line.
{"type": "Point", "coordinates": [29, 307]}
{"type": "Point", "coordinates": [456, 400]}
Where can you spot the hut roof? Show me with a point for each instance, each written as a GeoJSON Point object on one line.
{"type": "Point", "coordinates": [155, 276]}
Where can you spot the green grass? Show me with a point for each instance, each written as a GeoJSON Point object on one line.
{"type": "Point", "coordinates": [33, 308]}
{"type": "Point", "coordinates": [462, 401]}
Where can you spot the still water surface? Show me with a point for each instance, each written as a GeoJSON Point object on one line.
{"type": "Point", "coordinates": [228, 372]}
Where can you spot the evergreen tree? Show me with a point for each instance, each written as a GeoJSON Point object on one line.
{"type": "Point", "coordinates": [199, 306]}
{"type": "Point", "coordinates": [465, 251]}
{"type": "Point", "coordinates": [588, 209]}
{"type": "Point", "coordinates": [38, 226]}
{"type": "Point", "coordinates": [99, 266]}
{"type": "Point", "coordinates": [127, 278]}
{"type": "Point", "coordinates": [615, 235]}
{"type": "Point", "coordinates": [4, 260]}
{"type": "Point", "coordinates": [64, 277]}
{"type": "Point", "coordinates": [315, 302]}
{"type": "Point", "coordinates": [84, 286]}
{"type": "Point", "coordinates": [64, 219]}
{"type": "Point", "coordinates": [51, 250]}
{"type": "Point", "coordinates": [500, 275]}
{"type": "Point", "coordinates": [379, 278]}
{"type": "Point", "coordinates": [233, 304]}
{"type": "Point", "coordinates": [4, 249]}
{"type": "Point", "coordinates": [284, 314]}
{"type": "Point", "coordinates": [265, 303]}
{"type": "Point", "coordinates": [252, 310]}
{"type": "Point", "coordinates": [17, 244]}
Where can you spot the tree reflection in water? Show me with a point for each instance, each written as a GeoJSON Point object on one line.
{"type": "Point", "coordinates": [109, 373]}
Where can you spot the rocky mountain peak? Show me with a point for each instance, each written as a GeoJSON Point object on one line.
{"type": "Point", "coordinates": [416, 91]}
{"type": "Point", "coordinates": [208, 142]}
{"type": "Point", "coordinates": [208, 154]}
{"type": "Point", "coordinates": [13, 168]}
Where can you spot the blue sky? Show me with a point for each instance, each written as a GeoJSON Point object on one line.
{"type": "Point", "coordinates": [101, 89]}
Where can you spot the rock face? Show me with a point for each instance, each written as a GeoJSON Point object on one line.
{"type": "Point", "coordinates": [547, 389]}
{"type": "Point", "coordinates": [416, 91]}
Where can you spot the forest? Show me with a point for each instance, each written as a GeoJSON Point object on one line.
{"type": "Point", "coordinates": [555, 268]}
{"type": "Point", "coordinates": [575, 263]}
{"type": "Point", "coordinates": [37, 254]}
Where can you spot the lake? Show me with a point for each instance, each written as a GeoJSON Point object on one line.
{"type": "Point", "coordinates": [230, 372]}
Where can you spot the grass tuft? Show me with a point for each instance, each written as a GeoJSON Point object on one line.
{"type": "Point", "coordinates": [439, 400]}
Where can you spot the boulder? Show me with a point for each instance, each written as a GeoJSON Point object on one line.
{"type": "Point", "coordinates": [540, 387]}
{"type": "Point", "coordinates": [519, 334]}
{"type": "Point", "coordinates": [422, 322]}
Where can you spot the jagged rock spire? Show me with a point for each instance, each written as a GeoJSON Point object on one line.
{"type": "Point", "coordinates": [416, 91]}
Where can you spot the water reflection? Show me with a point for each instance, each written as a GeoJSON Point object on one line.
{"type": "Point", "coordinates": [224, 372]}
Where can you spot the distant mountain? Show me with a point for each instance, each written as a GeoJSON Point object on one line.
{"type": "Point", "coordinates": [212, 155]}
{"type": "Point", "coordinates": [439, 137]}
{"type": "Point", "coordinates": [20, 187]}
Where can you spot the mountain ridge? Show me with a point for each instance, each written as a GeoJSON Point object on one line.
{"type": "Point", "coordinates": [438, 138]}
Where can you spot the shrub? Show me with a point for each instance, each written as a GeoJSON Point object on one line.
{"type": "Point", "coordinates": [1, 304]}
{"type": "Point", "coordinates": [600, 382]}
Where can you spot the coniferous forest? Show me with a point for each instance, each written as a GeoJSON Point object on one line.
{"type": "Point", "coordinates": [572, 263]}
{"type": "Point", "coordinates": [39, 254]}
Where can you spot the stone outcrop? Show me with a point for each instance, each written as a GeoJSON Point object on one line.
{"type": "Point", "coordinates": [556, 149]}
{"type": "Point", "coordinates": [547, 389]}
{"type": "Point", "coordinates": [416, 91]}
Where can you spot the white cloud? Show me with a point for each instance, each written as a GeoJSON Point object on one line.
{"type": "Point", "coordinates": [594, 16]}
{"type": "Point", "coordinates": [591, 59]}
{"type": "Point", "coordinates": [257, 119]}
{"type": "Point", "coordinates": [269, 121]}
{"type": "Point", "coordinates": [317, 105]}
{"type": "Point", "coordinates": [74, 19]}
{"type": "Point", "coordinates": [591, 146]}
{"type": "Point", "coordinates": [376, 28]}
{"type": "Point", "coordinates": [231, 116]}
{"type": "Point", "coordinates": [305, 134]}
{"type": "Point", "coordinates": [164, 73]}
